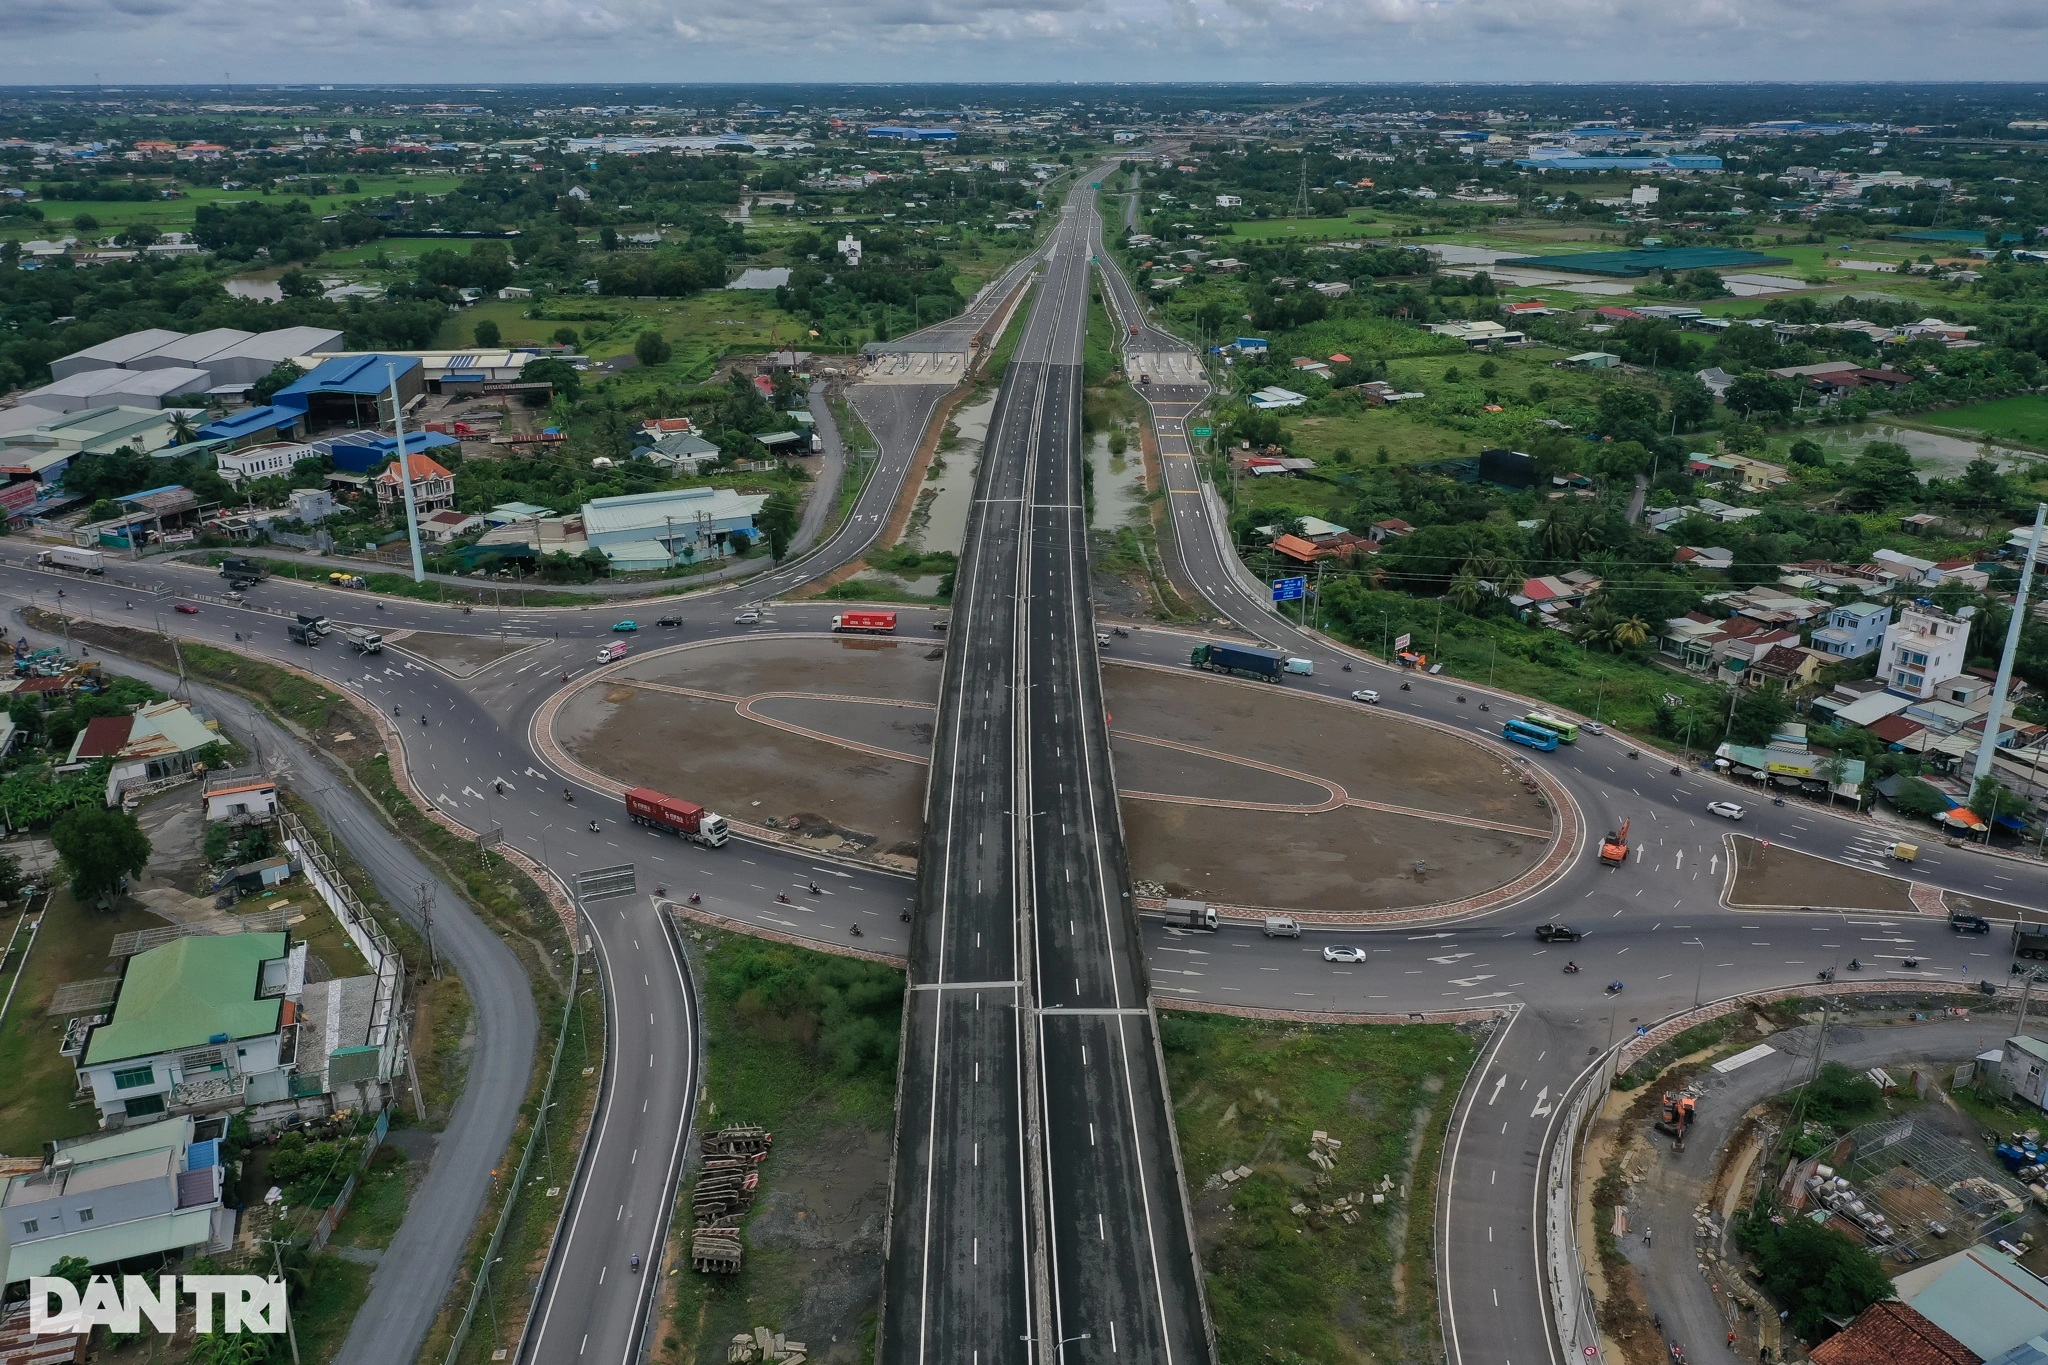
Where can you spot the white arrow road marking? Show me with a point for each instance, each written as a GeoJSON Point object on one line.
{"type": "Point", "coordinates": [1490, 995]}
{"type": "Point", "coordinates": [1681, 860]}
{"type": "Point", "coordinates": [472, 794]}
{"type": "Point", "coordinates": [1470, 981]}
{"type": "Point", "coordinates": [445, 799]}
{"type": "Point", "coordinates": [1498, 1082]}
{"type": "Point", "coordinates": [1713, 864]}
{"type": "Point", "coordinates": [1448, 958]}
{"type": "Point", "coordinates": [535, 772]}
{"type": "Point", "coordinates": [1542, 1103]}
{"type": "Point", "coordinates": [1417, 938]}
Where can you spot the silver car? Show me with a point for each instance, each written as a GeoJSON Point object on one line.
{"type": "Point", "coordinates": [1727, 810]}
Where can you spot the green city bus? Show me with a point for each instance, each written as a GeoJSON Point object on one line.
{"type": "Point", "coordinates": [1566, 730]}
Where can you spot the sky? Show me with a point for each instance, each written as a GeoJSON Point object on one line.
{"type": "Point", "coordinates": [449, 41]}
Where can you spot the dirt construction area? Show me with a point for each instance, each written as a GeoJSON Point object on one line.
{"type": "Point", "coordinates": [1772, 877]}
{"type": "Point", "coordinates": [460, 655]}
{"type": "Point", "coordinates": [1237, 794]}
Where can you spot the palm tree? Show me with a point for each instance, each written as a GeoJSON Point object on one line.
{"type": "Point", "coordinates": [1466, 590]}
{"type": "Point", "coordinates": [1629, 633]}
{"type": "Point", "coordinates": [183, 429]}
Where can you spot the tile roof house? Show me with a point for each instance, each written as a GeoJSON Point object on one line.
{"type": "Point", "coordinates": [1891, 1333]}
{"type": "Point", "coordinates": [433, 485]}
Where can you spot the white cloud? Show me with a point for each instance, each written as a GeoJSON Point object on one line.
{"type": "Point", "coordinates": [969, 40]}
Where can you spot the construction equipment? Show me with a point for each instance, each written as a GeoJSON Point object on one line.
{"type": "Point", "coordinates": [1678, 1117]}
{"type": "Point", "coordinates": [1614, 848]}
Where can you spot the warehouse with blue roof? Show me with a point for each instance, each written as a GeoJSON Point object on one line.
{"type": "Point", "coordinates": [350, 389]}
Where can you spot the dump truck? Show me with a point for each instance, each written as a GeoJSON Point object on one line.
{"type": "Point", "coordinates": [1186, 914]}
{"type": "Point", "coordinates": [1264, 664]}
{"type": "Point", "coordinates": [241, 566]}
{"type": "Point", "coordinates": [71, 557]}
{"type": "Point", "coordinates": [315, 622]}
{"type": "Point", "coordinates": [865, 622]}
{"type": "Point", "coordinates": [2030, 940]}
{"type": "Point", "coordinates": [650, 808]}
{"type": "Point", "coordinates": [1614, 848]}
{"type": "Point", "coordinates": [1677, 1117]}
{"type": "Point", "coordinates": [365, 641]}
{"type": "Point", "coordinates": [301, 634]}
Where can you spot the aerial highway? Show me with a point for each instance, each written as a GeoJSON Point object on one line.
{"type": "Point", "coordinates": [1032, 1217]}
{"type": "Point", "coordinates": [1657, 923]}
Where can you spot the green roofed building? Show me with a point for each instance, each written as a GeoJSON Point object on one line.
{"type": "Point", "coordinates": [1647, 260]}
{"type": "Point", "coordinates": [200, 1024]}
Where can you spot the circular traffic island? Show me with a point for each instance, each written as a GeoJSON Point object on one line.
{"type": "Point", "coordinates": [1240, 794]}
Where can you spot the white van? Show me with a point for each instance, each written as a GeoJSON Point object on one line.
{"type": "Point", "coordinates": [1305, 667]}
{"type": "Point", "coordinates": [612, 653]}
{"type": "Point", "coordinates": [1281, 926]}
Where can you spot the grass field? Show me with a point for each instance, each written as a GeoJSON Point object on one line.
{"type": "Point", "coordinates": [1297, 1287]}
{"type": "Point", "coordinates": [36, 1100]}
{"type": "Point", "coordinates": [176, 215]}
{"type": "Point", "coordinates": [1310, 229]}
{"type": "Point", "coordinates": [2023, 419]}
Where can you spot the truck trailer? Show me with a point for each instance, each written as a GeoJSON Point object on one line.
{"type": "Point", "coordinates": [241, 566]}
{"type": "Point", "coordinates": [2030, 940]}
{"type": "Point", "coordinates": [649, 807]}
{"type": "Point", "coordinates": [865, 622]}
{"type": "Point", "coordinates": [71, 557]}
{"type": "Point", "coordinates": [1263, 664]}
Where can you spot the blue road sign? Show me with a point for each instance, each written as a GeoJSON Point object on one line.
{"type": "Point", "coordinates": [1289, 589]}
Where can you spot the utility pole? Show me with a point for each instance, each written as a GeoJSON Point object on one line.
{"type": "Point", "coordinates": [426, 909]}
{"type": "Point", "coordinates": [291, 1332]}
{"type": "Point", "coordinates": [412, 511]}
{"type": "Point", "coordinates": [1992, 723]}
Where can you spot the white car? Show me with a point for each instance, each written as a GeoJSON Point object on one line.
{"type": "Point", "coordinates": [1343, 954]}
{"type": "Point", "coordinates": [1366, 695]}
{"type": "Point", "coordinates": [1594, 727]}
{"type": "Point", "coordinates": [746, 618]}
{"type": "Point", "coordinates": [1727, 810]}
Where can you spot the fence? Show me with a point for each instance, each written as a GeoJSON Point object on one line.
{"type": "Point", "coordinates": [362, 930]}
{"type": "Point", "coordinates": [323, 1227]}
{"type": "Point", "coordinates": [1571, 1298]}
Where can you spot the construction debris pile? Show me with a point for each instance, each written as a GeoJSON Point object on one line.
{"type": "Point", "coordinates": [763, 1345]}
{"type": "Point", "coordinates": [724, 1193]}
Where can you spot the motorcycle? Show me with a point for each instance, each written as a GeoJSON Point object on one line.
{"type": "Point", "coordinates": [595, 828]}
{"type": "Point", "coordinates": [1484, 707]}
{"type": "Point", "coordinates": [1120, 632]}
{"type": "Point", "coordinates": [853, 929]}
{"type": "Point", "coordinates": [1854, 965]}
{"type": "Point", "coordinates": [423, 721]}
{"type": "Point", "coordinates": [1777, 800]}
{"type": "Point", "coordinates": [1911, 962]}
{"type": "Point", "coordinates": [636, 1263]}
{"type": "Point", "coordinates": [1632, 753]}
{"type": "Point", "coordinates": [781, 898]}
{"type": "Point", "coordinates": [1404, 687]}
{"type": "Point", "coordinates": [1825, 974]}
{"type": "Point", "coordinates": [380, 606]}
{"type": "Point", "coordinates": [814, 888]}
{"type": "Point", "coordinates": [568, 796]}
{"type": "Point", "coordinates": [1614, 988]}
{"type": "Point", "coordinates": [1347, 668]}
{"type": "Point", "coordinates": [1461, 699]}
{"type": "Point", "coordinates": [1571, 969]}
{"type": "Point", "coordinates": [1674, 770]}
{"type": "Point", "coordinates": [696, 899]}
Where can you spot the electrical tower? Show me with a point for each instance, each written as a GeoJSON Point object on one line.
{"type": "Point", "coordinates": [426, 908]}
{"type": "Point", "coordinates": [1301, 195]}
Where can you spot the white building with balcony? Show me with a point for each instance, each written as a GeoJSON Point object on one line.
{"type": "Point", "coordinates": [1922, 649]}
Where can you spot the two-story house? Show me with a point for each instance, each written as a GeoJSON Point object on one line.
{"type": "Point", "coordinates": [1924, 647]}
{"type": "Point", "coordinates": [1853, 630]}
{"type": "Point", "coordinates": [151, 1190]}
{"type": "Point", "coordinates": [433, 485]}
{"type": "Point", "coordinates": [200, 1024]}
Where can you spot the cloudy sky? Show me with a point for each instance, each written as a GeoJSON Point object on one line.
{"type": "Point", "coordinates": [181, 41]}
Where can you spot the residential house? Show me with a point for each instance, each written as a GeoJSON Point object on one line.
{"type": "Point", "coordinates": [2023, 1071]}
{"type": "Point", "coordinates": [199, 1024]}
{"type": "Point", "coordinates": [1905, 568]}
{"type": "Point", "coordinates": [1589, 360]}
{"type": "Point", "coordinates": [151, 1190]}
{"type": "Point", "coordinates": [153, 742]}
{"type": "Point", "coordinates": [1393, 528]}
{"type": "Point", "coordinates": [443, 527]}
{"type": "Point", "coordinates": [1706, 558]}
{"type": "Point", "coordinates": [1920, 523]}
{"type": "Point", "coordinates": [1699, 643]}
{"type": "Point", "coordinates": [1273, 396]}
{"type": "Point", "coordinates": [1965, 572]}
{"type": "Point", "coordinates": [1981, 1296]}
{"type": "Point", "coordinates": [1727, 512]}
{"type": "Point", "coordinates": [1477, 334]}
{"type": "Point", "coordinates": [1229, 201]}
{"type": "Point", "coordinates": [658, 530]}
{"type": "Point", "coordinates": [1716, 379]}
{"type": "Point", "coordinates": [240, 797]}
{"type": "Point", "coordinates": [2018, 541]}
{"type": "Point", "coordinates": [1755, 476]}
{"type": "Point", "coordinates": [260, 461]}
{"type": "Point", "coordinates": [1923, 648]}
{"type": "Point", "coordinates": [433, 484]}
{"type": "Point", "coordinates": [1787, 762]}
{"type": "Point", "coordinates": [310, 505]}
{"type": "Point", "coordinates": [1892, 1333]}
{"type": "Point", "coordinates": [1786, 667]}
{"type": "Point", "coordinates": [1853, 630]}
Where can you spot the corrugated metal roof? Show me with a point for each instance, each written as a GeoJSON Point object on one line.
{"type": "Point", "coordinates": [115, 1242]}
{"type": "Point", "coordinates": [186, 992]}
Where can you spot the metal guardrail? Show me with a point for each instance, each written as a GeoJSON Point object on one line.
{"type": "Point", "coordinates": [1571, 1297]}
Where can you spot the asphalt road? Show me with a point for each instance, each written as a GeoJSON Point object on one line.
{"type": "Point", "coordinates": [411, 1280]}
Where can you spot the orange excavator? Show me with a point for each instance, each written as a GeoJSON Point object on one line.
{"type": "Point", "coordinates": [1677, 1118]}
{"type": "Point", "coordinates": [1614, 848]}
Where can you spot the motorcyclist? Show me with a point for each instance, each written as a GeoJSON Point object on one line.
{"type": "Point", "coordinates": [696, 899]}
{"type": "Point", "coordinates": [853, 929]}
{"type": "Point", "coordinates": [1571, 967]}
{"type": "Point", "coordinates": [782, 897]}
{"type": "Point", "coordinates": [595, 827]}
{"type": "Point", "coordinates": [636, 1263]}
{"type": "Point", "coordinates": [1854, 965]}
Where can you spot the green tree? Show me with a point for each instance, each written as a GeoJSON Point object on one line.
{"type": "Point", "coordinates": [12, 879]}
{"type": "Point", "coordinates": [560, 373]}
{"type": "Point", "coordinates": [1882, 476]}
{"type": "Point", "coordinates": [183, 429]}
{"type": "Point", "coordinates": [282, 375]}
{"type": "Point", "coordinates": [1758, 712]}
{"type": "Point", "coordinates": [652, 348]}
{"type": "Point", "coordinates": [137, 236]}
{"type": "Point", "coordinates": [102, 848]}
{"type": "Point", "coordinates": [486, 334]}
{"type": "Point", "coordinates": [77, 1270]}
{"type": "Point", "coordinates": [1629, 414]}
{"type": "Point", "coordinates": [1755, 395]}
{"type": "Point", "coordinates": [1814, 1272]}
{"type": "Point", "coordinates": [299, 284]}
{"type": "Point", "coordinates": [1692, 402]}
{"type": "Point", "coordinates": [777, 520]}
{"type": "Point", "coordinates": [1915, 797]}
{"type": "Point", "coordinates": [565, 336]}
{"type": "Point", "coordinates": [1808, 453]}
{"type": "Point", "coordinates": [85, 222]}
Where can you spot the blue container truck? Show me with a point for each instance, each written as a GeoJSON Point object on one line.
{"type": "Point", "coordinates": [1263, 664]}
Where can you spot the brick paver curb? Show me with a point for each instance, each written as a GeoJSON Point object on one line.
{"type": "Point", "coordinates": [1333, 1016]}
{"type": "Point", "coordinates": [1635, 1049]}
{"type": "Point", "coordinates": [682, 911]}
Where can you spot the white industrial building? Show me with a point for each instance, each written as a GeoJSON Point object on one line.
{"type": "Point", "coordinates": [228, 358]}
{"type": "Point", "coordinates": [117, 388]}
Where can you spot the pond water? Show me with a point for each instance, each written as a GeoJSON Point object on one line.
{"type": "Point", "coordinates": [940, 522]}
{"type": "Point", "coordinates": [259, 290]}
{"type": "Point", "coordinates": [1934, 455]}
{"type": "Point", "coordinates": [1119, 483]}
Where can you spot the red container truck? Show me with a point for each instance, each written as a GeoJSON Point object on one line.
{"type": "Point", "coordinates": [649, 807]}
{"type": "Point", "coordinates": [866, 622]}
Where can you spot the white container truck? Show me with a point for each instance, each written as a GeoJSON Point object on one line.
{"type": "Point", "coordinates": [71, 557]}
{"type": "Point", "coordinates": [365, 641]}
